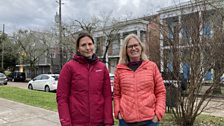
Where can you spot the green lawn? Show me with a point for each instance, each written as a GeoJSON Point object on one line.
{"type": "Point", "coordinates": [48, 101]}
{"type": "Point", "coordinates": [35, 98]}
{"type": "Point", "coordinates": [202, 120]}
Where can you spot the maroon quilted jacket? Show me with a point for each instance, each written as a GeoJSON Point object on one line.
{"type": "Point", "coordinates": [84, 93]}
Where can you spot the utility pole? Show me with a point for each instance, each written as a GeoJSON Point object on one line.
{"type": "Point", "coordinates": [60, 38]}
{"type": "Point", "coordinates": [2, 40]}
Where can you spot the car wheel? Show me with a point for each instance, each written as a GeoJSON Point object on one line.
{"type": "Point", "coordinates": [47, 89]}
{"type": "Point", "coordinates": [5, 83]}
{"type": "Point", "coordinates": [30, 87]}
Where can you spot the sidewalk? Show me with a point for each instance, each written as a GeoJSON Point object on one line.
{"type": "Point", "coordinates": [215, 107]}
{"type": "Point", "coordinates": [18, 114]}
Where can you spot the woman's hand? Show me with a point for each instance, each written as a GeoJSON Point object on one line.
{"type": "Point", "coordinates": [155, 119]}
{"type": "Point", "coordinates": [119, 116]}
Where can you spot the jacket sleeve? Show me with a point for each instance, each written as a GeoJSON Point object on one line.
{"type": "Point", "coordinates": [160, 93]}
{"type": "Point", "coordinates": [108, 116]}
{"type": "Point", "coordinates": [117, 95]}
{"type": "Point", "coordinates": [63, 91]}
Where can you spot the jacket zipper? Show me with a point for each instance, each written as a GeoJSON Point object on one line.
{"type": "Point", "coordinates": [89, 94]}
{"type": "Point", "coordinates": [136, 96]}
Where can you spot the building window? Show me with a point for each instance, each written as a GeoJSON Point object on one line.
{"type": "Point", "coordinates": [125, 34]}
{"type": "Point", "coordinates": [112, 64]}
{"type": "Point", "coordinates": [143, 36]}
{"type": "Point", "coordinates": [186, 37]}
{"type": "Point", "coordinates": [170, 33]}
{"type": "Point", "coordinates": [172, 30]}
{"type": "Point", "coordinates": [207, 29]}
{"type": "Point", "coordinates": [99, 45]}
{"type": "Point", "coordinates": [170, 61]}
{"type": "Point", "coordinates": [115, 45]}
{"type": "Point", "coordinates": [209, 75]}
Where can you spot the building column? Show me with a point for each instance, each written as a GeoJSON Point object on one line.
{"type": "Point", "coordinates": [95, 42]}
{"type": "Point", "coordinates": [138, 33]}
{"type": "Point", "coordinates": [180, 25]}
{"type": "Point", "coordinates": [180, 42]}
{"type": "Point", "coordinates": [121, 39]}
{"type": "Point", "coordinates": [200, 38]}
{"type": "Point", "coordinates": [161, 49]}
{"type": "Point", "coordinates": [201, 26]}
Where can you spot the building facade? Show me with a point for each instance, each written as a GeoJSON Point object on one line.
{"type": "Point", "coordinates": [160, 32]}
{"type": "Point", "coordinates": [109, 39]}
{"type": "Point", "coordinates": [185, 27]}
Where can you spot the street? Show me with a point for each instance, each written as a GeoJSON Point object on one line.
{"type": "Point", "coordinates": [18, 84]}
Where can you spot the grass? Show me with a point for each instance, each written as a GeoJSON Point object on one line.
{"type": "Point", "coordinates": [202, 120]}
{"type": "Point", "coordinates": [210, 120]}
{"type": "Point", "coordinates": [35, 98]}
{"type": "Point", "coordinates": [48, 101]}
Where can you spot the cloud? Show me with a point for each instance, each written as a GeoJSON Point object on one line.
{"type": "Point", "coordinates": [39, 14]}
{"type": "Point", "coordinates": [16, 14]}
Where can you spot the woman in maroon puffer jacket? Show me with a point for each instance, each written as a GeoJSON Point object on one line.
{"type": "Point", "coordinates": [84, 91]}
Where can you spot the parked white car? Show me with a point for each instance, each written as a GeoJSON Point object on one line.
{"type": "Point", "coordinates": [44, 82]}
{"type": "Point", "coordinates": [3, 79]}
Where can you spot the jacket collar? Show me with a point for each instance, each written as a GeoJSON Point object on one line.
{"type": "Point", "coordinates": [84, 60]}
{"type": "Point", "coordinates": [124, 66]}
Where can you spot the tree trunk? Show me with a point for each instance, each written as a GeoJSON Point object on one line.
{"type": "Point", "coordinates": [217, 89]}
{"type": "Point", "coordinates": [106, 50]}
{"type": "Point", "coordinates": [216, 80]}
{"type": "Point", "coordinates": [186, 121]}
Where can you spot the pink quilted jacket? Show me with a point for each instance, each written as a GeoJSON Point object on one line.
{"type": "Point", "coordinates": [139, 95]}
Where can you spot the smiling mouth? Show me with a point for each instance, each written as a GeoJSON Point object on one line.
{"type": "Point", "coordinates": [88, 53]}
{"type": "Point", "coordinates": [134, 52]}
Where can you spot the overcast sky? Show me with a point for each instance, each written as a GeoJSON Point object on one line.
{"type": "Point", "coordinates": [39, 14]}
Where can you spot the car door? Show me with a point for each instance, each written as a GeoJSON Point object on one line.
{"type": "Point", "coordinates": [43, 82]}
{"type": "Point", "coordinates": [36, 81]}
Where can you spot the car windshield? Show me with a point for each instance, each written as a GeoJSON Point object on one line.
{"type": "Point", "coordinates": [22, 74]}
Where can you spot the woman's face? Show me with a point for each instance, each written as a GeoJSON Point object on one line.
{"type": "Point", "coordinates": [134, 50]}
{"type": "Point", "coordinates": [86, 47]}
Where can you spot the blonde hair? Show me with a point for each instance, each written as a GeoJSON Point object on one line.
{"type": "Point", "coordinates": [124, 59]}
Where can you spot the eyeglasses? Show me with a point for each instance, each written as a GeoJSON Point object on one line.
{"type": "Point", "coordinates": [131, 46]}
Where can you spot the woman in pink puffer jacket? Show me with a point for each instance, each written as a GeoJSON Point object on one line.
{"type": "Point", "coordinates": [139, 91]}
